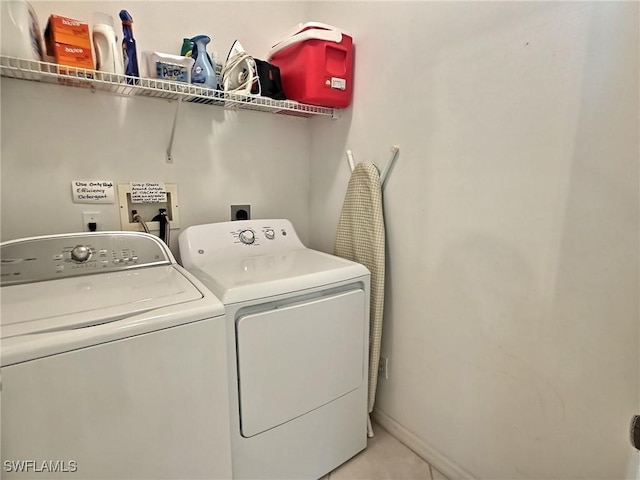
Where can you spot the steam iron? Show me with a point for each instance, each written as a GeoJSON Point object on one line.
{"type": "Point", "coordinates": [240, 74]}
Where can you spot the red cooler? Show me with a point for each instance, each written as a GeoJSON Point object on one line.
{"type": "Point", "coordinates": [316, 65]}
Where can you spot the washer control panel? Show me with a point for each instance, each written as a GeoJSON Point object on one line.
{"type": "Point", "coordinates": [59, 256]}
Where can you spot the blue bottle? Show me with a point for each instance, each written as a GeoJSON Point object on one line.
{"type": "Point", "coordinates": [202, 71]}
{"type": "Point", "coordinates": [129, 53]}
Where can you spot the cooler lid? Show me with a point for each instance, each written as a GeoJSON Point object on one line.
{"type": "Point", "coordinates": [306, 31]}
{"type": "Point", "coordinates": [75, 302]}
{"type": "Point", "coordinates": [240, 279]}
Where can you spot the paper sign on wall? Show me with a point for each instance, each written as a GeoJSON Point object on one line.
{"type": "Point", "coordinates": [148, 192]}
{"type": "Point", "coordinates": [92, 191]}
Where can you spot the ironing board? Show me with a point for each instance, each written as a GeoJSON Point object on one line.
{"type": "Point", "coordinates": [361, 238]}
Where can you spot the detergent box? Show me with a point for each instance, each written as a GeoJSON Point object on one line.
{"type": "Point", "coordinates": [316, 65]}
{"type": "Point", "coordinates": [68, 42]}
{"type": "Point", "coordinates": [73, 56]}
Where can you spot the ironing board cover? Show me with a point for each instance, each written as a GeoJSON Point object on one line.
{"type": "Point", "coordinates": [361, 238]}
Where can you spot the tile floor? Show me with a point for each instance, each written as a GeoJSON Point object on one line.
{"type": "Point", "coordinates": [385, 458]}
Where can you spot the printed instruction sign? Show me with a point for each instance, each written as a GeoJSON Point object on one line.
{"type": "Point", "coordinates": [93, 191]}
{"type": "Point", "coordinates": [148, 192]}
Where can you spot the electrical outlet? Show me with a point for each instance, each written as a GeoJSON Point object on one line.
{"type": "Point", "coordinates": [91, 217]}
{"type": "Point", "coordinates": [240, 212]}
{"type": "Point", "coordinates": [383, 367]}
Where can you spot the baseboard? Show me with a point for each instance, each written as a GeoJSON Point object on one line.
{"type": "Point", "coordinates": [421, 448]}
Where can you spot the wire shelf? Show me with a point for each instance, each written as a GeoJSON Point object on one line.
{"type": "Point", "coordinates": [123, 85]}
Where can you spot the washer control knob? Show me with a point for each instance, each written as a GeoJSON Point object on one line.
{"type": "Point", "coordinates": [270, 234]}
{"type": "Point", "coordinates": [80, 253]}
{"type": "Point", "coordinates": [247, 237]}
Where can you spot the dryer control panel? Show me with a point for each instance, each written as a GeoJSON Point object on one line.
{"type": "Point", "coordinates": [201, 244]}
{"type": "Point", "coordinates": [59, 256]}
{"type": "Point", "coordinates": [260, 233]}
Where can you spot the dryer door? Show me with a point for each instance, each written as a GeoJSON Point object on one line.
{"type": "Point", "coordinates": [296, 358]}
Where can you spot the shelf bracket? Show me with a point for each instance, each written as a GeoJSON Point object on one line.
{"type": "Point", "coordinates": [173, 131]}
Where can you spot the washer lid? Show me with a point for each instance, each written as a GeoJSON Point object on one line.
{"type": "Point", "coordinates": [76, 302]}
{"type": "Point", "coordinates": [235, 280]}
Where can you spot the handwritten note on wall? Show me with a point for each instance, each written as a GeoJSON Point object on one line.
{"type": "Point", "coordinates": [148, 192]}
{"type": "Point", "coordinates": [92, 191]}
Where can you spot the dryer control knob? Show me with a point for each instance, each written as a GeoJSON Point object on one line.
{"type": "Point", "coordinates": [247, 237]}
{"type": "Point", "coordinates": [80, 253]}
{"type": "Point", "coordinates": [270, 234]}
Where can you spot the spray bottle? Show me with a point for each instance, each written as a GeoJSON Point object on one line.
{"type": "Point", "coordinates": [187, 50]}
{"type": "Point", "coordinates": [202, 71]}
{"type": "Point", "coordinates": [129, 53]}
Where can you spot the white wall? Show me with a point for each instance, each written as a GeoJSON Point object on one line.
{"type": "Point", "coordinates": [52, 135]}
{"type": "Point", "coordinates": [512, 213]}
{"type": "Point", "coordinates": [511, 320]}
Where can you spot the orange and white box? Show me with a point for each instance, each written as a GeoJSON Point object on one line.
{"type": "Point", "coordinates": [73, 56]}
{"type": "Point", "coordinates": [69, 42]}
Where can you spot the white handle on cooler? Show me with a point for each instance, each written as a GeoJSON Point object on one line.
{"type": "Point", "coordinates": [330, 35]}
{"type": "Point", "coordinates": [305, 26]}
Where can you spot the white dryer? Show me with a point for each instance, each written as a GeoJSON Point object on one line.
{"type": "Point", "coordinates": [297, 334]}
{"type": "Point", "coordinates": [114, 362]}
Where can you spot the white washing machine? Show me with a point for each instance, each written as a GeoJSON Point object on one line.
{"type": "Point", "coordinates": [114, 362]}
{"type": "Point", "coordinates": [298, 334]}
